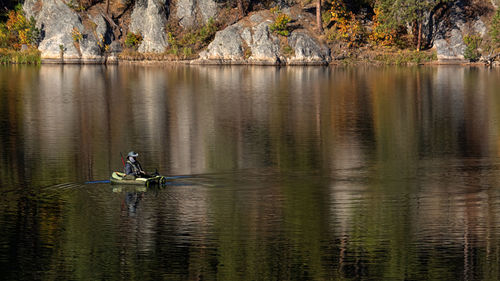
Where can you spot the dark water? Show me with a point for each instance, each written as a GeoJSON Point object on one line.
{"type": "Point", "coordinates": [359, 173]}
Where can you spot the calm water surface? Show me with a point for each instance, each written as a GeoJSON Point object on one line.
{"type": "Point", "coordinates": [362, 173]}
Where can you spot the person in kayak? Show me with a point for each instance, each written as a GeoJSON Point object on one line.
{"type": "Point", "coordinates": [133, 168]}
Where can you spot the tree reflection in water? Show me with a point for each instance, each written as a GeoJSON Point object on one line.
{"type": "Point", "coordinates": [298, 173]}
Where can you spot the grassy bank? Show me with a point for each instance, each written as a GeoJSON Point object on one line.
{"type": "Point", "coordinates": [404, 57]}
{"type": "Point", "coordinates": [384, 56]}
{"type": "Point", "coordinates": [30, 56]}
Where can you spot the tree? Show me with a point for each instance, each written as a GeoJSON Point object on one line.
{"type": "Point", "coordinates": [492, 46]}
{"type": "Point", "coordinates": [6, 6]}
{"type": "Point", "coordinates": [397, 13]}
{"type": "Point", "coordinates": [318, 16]}
{"type": "Point", "coordinates": [494, 31]}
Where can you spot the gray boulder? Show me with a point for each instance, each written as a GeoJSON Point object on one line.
{"type": "Point", "coordinates": [208, 9]}
{"type": "Point", "coordinates": [190, 11]}
{"type": "Point", "coordinates": [449, 39]}
{"type": "Point", "coordinates": [307, 50]}
{"type": "Point", "coordinates": [57, 22]}
{"type": "Point", "coordinates": [149, 18]}
{"type": "Point", "coordinates": [186, 12]}
{"type": "Point", "coordinates": [251, 41]}
{"type": "Point", "coordinates": [239, 44]}
{"type": "Point", "coordinates": [265, 46]}
{"type": "Point", "coordinates": [227, 46]}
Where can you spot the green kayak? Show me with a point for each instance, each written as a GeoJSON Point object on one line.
{"type": "Point", "coordinates": [119, 178]}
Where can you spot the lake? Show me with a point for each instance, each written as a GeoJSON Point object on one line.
{"type": "Point", "coordinates": [295, 173]}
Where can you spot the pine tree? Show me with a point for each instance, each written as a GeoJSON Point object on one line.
{"type": "Point", "coordinates": [397, 13]}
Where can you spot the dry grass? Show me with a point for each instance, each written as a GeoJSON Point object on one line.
{"type": "Point", "coordinates": [385, 56]}
{"type": "Point", "coordinates": [31, 56]}
{"type": "Point", "coordinates": [132, 55]}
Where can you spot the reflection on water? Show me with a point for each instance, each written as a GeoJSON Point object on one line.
{"type": "Point", "coordinates": [296, 173]}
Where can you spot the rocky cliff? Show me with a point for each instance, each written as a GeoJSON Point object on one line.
{"type": "Point", "coordinates": [456, 22]}
{"type": "Point", "coordinates": [250, 41]}
{"type": "Point", "coordinates": [96, 32]}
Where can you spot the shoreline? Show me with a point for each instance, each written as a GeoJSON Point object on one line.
{"type": "Point", "coordinates": [373, 57]}
{"type": "Point", "coordinates": [241, 63]}
{"type": "Point", "coordinates": [380, 57]}
{"type": "Point", "coordinates": [116, 60]}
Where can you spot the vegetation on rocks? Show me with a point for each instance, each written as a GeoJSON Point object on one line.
{"type": "Point", "coordinates": [76, 35]}
{"type": "Point", "coordinates": [491, 44]}
{"type": "Point", "coordinates": [133, 40]}
{"type": "Point", "coordinates": [495, 29]}
{"type": "Point", "coordinates": [382, 34]}
{"type": "Point", "coordinates": [185, 43]}
{"type": "Point", "coordinates": [19, 38]}
{"type": "Point", "coordinates": [472, 43]}
{"type": "Point", "coordinates": [30, 56]}
{"type": "Point", "coordinates": [280, 24]}
{"type": "Point", "coordinates": [404, 57]}
{"type": "Point", "coordinates": [397, 14]}
{"type": "Point", "coordinates": [346, 26]}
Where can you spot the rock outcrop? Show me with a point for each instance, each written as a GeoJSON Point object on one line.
{"type": "Point", "coordinates": [189, 11]}
{"type": "Point", "coordinates": [251, 41]}
{"type": "Point", "coordinates": [149, 18]}
{"type": "Point", "coordinates": [97, 33]}
{"type": "Point", "coordinates": [56, 22]}
{"type": "Point", "coordinates": [60, 28]}
{"type": "Point", "coordinates": [307, 50]}
{"type": "Point", "coordinates": [450, 32]}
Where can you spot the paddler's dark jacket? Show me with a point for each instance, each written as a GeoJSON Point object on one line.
{"type": "Point", "coordinates": [133, 168]}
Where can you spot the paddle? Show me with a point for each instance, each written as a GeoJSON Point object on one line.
{"type": "Point", "coordinates": [123, 162]}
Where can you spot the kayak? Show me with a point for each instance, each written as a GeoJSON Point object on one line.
{"type": "Point", "coordinates": [119, 178]}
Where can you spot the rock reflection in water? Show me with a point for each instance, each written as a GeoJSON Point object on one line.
{"type": "Point", "coordinates": [297, 173]}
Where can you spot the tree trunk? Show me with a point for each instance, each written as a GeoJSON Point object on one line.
{"type": "Point", "coordinates": [241, 9]}
{"type": "Point", "coordinates": [107, 7]}
{"type": "Point", "coordinates": [318, 16]}
{"type": "Point", "coordinates": [419, 38]}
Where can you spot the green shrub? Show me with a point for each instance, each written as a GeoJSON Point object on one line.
{"type": "Point", "coordinates": [326, 17]}
{"type": "Point", "coordinates": [4, 36]}
{"type": "Point", "coordinates": [187, 52]}
{"type": "Point", "coordinates": [207, 32]}
{"type": "Point", "coordinates": [191, 41]}
{"type": "Point", "coordinates": [18, 31]}
{"type": "Point", "coordinates": [174, 50]}
{"type": "Point", "coordinates": [75, 6]}
{"type": "Point", "coordinates": [472, 43]}
{"type": "Point", "coordinates": [280, 25]}
{"type": "Point", "coordinates": [494, 31]}
{"type": "Point", "coordinates": [247, 53]}
{"type": "Point", "coordinates": [18, 7]}
{"type": "Point", "coordinates": [133, 40]}
{"type": "Point", "coordinates": [76, 35]}
{"type": "Point", "coordinates": [287, 50]}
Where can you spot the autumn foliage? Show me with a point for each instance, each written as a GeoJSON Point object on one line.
{"type": "Point", "coordinates": [280, 24]}
{"type": "Point", "coordinates": [345, 25]}
{"type": "Point", "coordinates": [18, 31]}
{"type": "Point", "coordinates": [381, 35]}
